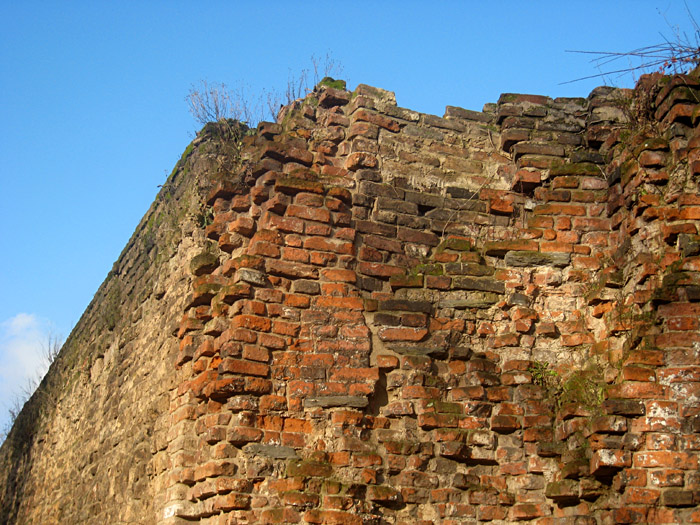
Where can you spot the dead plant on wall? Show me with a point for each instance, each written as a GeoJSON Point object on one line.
{"type": "Point", "coordinates": [678, 54]}
{"type": "Point", "coordinates": [48, 353]}
{"type": "Point", "coordinates": [227, 113]}
{"type": "Point", "coordinates": [216, 102]}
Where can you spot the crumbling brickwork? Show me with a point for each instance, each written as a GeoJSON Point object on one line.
{"type": "Point", "coordinates": [489, 317]}
{"type": "Point", "coordinates": [486, 317]}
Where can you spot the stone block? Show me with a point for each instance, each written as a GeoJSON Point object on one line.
{"type": "Point", "coordinates": [535, 258]}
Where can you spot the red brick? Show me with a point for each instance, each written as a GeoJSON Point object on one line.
{"type": "Point", "coordinates": [295, 254]}
{"type": "Point", "coordinates": [683, 323]}
{"type": "Point", "coordinates": [502, 340]}
{"type": "Point", "coordinates": [637, 373]}
{"type": "Point", "coordinates": [679, 375]}
{"type": "Point", "coordinates": [529, 511]}
{"type": "Point", "coordinates": [690, 213]}
{"type": "Point", "coordinates": [402, 334]}
{"type": "Point", "coordinates": [370, 375]}
{"type": "Point", "coordinates": [499, 248]}
{"type": "Point", "coordinates": [419, 392]}
{"type": "Point", "coordinates": [285, 328]}
{"type": "Point", "coordinates": [244, 367]}
{"type": "Point", "coordinates": [309, 199]}
{"type": "Point", "coordinates": [637, 390]}
{"type": "Point", "coordinates": [560, 209]}
{"type": "Point", "coordinates": [328, 245]}
{"type": "Point", "coordinates": [280, 515]}
{"type": "Point", "coordinates": [337, 274]}
{"type": "Point", "coordinates": [385, 361]}
{"type": "Point", "coordinates": [676, 339]}
{"type": "Point", "coordinates": [379, 270]}
{"type": "Point", "coordinates": [318, 228]}
{"type": "Point", "coordinates": [640, 496]}
{"type": "Point", "coordinates": [377, 119]}
{"type": "Point", "coordinates": [605, 461]}
{"type": "Point", "coordinates": [662, 515]}
{"type": "Point", "coordinates": [492, 512]}
{"type": "Point", "coordinates": [272, 403]}
{"type": "Point", "coordinates": [253, 307]}
{"type": "Point", "coordinates": [290, 270]}
{"type": "Point", "coordinates": [367, 459]}
{"type": "Point", "coordinates": [243, 225]}
{"type": "Point", "coordinates": [308, 213]}
{"type": "Point", "coordinates": [270, 236]}
{"type": "Point", "coordinates": [558, 247]}
{"type": "Point", "coordinates": [284, 224]}
{"type": "Point", "coordinates": [577, 339]}
{"type": "Point", "coordinates": [667, 478]}
{"type": "Point", "coordinates": [360, 160]}
{"type": "Point", "coordinates": [645, 357]}
{"type": "Point", "coordinates": [439, 282]}
{"type": "Point", "coordinates": [332, 517]}
{"type": "Point", "coordinates": [666, 459]}
{"type": "Point", "coordinates": [256, 353]}
{"type": "Point", "coordinates": [538, 434]}
{"type": "Point", "coordinates": [505, 424]}
{"type": "Point", "coordinates": [252, 322]}
{"type": "Point", "coordinates": [630, 515]}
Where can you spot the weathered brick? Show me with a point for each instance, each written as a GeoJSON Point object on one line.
{"type": "Point", "coordinates": [402, 334]}
{"type": "Point", "coordinates": [252, 322]}
{"type": "Point", "coordinates": [666, 459]}
{"type": "Point", "coordinates": [309, 213]}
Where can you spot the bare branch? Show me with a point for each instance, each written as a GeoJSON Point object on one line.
{"type": "Point", "coordinates": [677, 55]}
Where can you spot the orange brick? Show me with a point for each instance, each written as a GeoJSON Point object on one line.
{"type": "Point", "coordinates": [252, 322]}
{"type": "Point", "coordinates": [402, 334]}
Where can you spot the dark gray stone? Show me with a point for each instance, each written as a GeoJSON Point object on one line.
{"type": "Point", "coordinates": [248, 275]}
{"type": "Point", "coordinates": [483, 285]}
{"type": "Point", "coordinates": [336, 401]}
{"type": "Point", "coordinates": [305, 286]}
{"type": "Point", "coordinates": [532, 258]}
{"type": "Point", "coordinates": [468, 269]}
{"type": "Point", "coordinates": [407, 306]}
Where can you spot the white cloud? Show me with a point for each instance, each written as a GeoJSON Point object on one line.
{"type": "Point", "coordinates": [22, 339]}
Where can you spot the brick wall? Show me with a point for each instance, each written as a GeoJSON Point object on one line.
{"type": "Point", "coordinates": [392, 317]}
{"type": "Point", "coordinates": [485, 317]}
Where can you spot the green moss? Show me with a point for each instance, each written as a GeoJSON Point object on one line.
{"type": "Point", "coordinates": [585, 388]}
{"type": "Point", "coordinates": [429, 269]}
{"type": "Point", "coordinates": [189, 149]}
{"type": "Point", "coordinates": [111, 308]}
{"type": "Point", "coordinates": [654, 143]}
{"type": "Point", "coordinates": [182, 162]}
{"type": "Point", "coordinates": [333, 83]}
{"type": "Point", "coordinates": [578, 168]}
{"type": "Point", "coordinates": [444, 407]}
{"type": "Point", "coordinates": [455, 243]}
{"type": "Point", "coordinates": [309, 468]}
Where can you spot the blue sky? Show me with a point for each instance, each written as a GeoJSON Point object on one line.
{"type": "Point", "coordinates": [94, 116]}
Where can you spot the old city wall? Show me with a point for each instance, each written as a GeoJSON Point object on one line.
{"type": "Point", "coordinates": [391, 317]}
{"type": "Point", "coordinates": [90, 445]}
